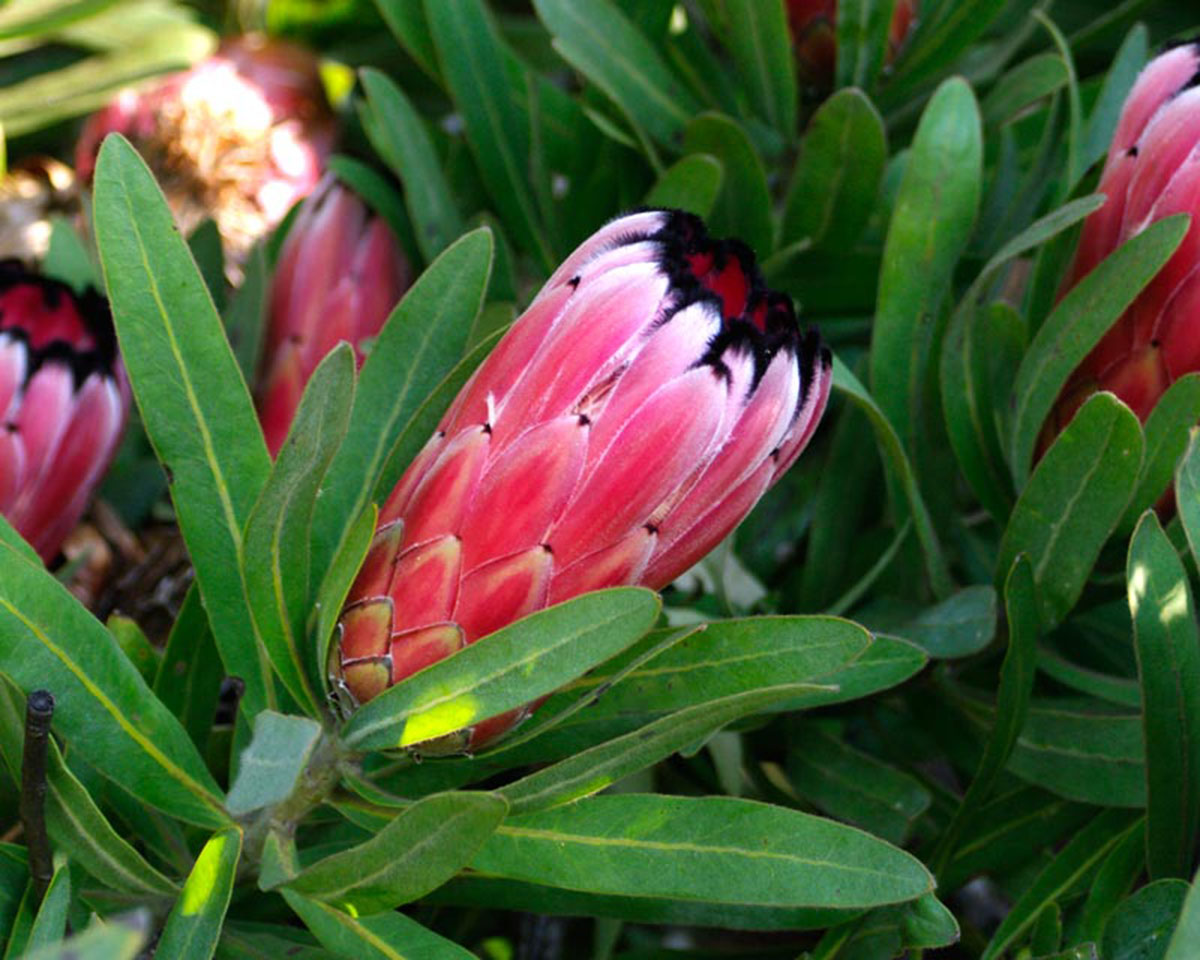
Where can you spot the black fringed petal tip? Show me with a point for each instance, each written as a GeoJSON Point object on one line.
{"type": "Point", "coordinates": [55, 323]}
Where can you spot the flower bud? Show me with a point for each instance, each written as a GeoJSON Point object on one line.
{"type": "Point", "coordinates": [64, 399]}
{"type": "Point", "coordinates": [239, 138]}
{"type": "Point", "coordinates": [340, 273]}
{"type": "Point", "coordinates": [622, 427]}
{"type": "Point", "coordinates": [1152, 172]}
{"type": "Point", "coordinates": [814, 37]}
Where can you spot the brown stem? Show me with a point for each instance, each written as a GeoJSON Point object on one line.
{"type": "Point", "coordinates": [39, 708]}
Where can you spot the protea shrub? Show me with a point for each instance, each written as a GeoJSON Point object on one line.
{"type": "Point", "coordinates": [814, 37]}
{"type": "Point", "coordinates": [1152, 172]}
{"type": "Point", "coordinates": [624, 425]}
{"type": "Point", "coordinates": [340, 273]}
{"type": "Point", "coordinates": [239, 138]}
{"type": "Point", "coordinates": [64, 401]}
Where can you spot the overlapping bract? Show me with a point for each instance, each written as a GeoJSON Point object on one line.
{"type": "Point", "coordinates": [239, 138]}
{"type": "Point", "coordinates": [814, 36]}
{"type": "Point", "coordinates": [1152, 172]}
{"type": "Point", "coordinates": [64, 399]}
{"type": "Point", "coordinates": [625, 424]}
{"type": "Point", "coordinates": [340, 273]}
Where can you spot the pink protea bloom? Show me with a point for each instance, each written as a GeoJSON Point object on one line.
{"type": "Point", "coordinates": [64, 399]}
{"type": "Point", "coordinates": [340, 273]}
{"type": "Point", "coordinates": [240, 137]}
{"type": "Point", "coordinates": [624, 425]}
{"type": "Point", "coordinates": [814, 36]}
{"type": "Point", "coordinates": [1152, 172]}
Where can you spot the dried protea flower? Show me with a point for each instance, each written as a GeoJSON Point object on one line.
{"type": "Point", "coordinates": [340, 273]}
{"type": "Point", "coordinates": [64, 399]}
{"type": "Point", "coordinates": [31, 194]}
{"type": "Point", "coordinates": [814, 37]}
{"type": "Point", "coordinates": [239, 138]}
{"type": "Point", "coordinates": [1152, 172]}
{"type": "Point", "coordinates": [622, 427]}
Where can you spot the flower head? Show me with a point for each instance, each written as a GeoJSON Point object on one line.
{"type": "Point", "coordinates": [340, 273]}
{"type": "Point", "coordinates": [63, 399]}
{"type": "Point", "coordinates": [623, 426]}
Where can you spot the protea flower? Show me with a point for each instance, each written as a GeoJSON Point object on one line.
{"type": "Point", "coordinates": [339, 274]}
{"type": "Point", "coordinates": [622, 427]}
{"type": "Point", "coordinates": [64, 399]}
{"type": "Point", "coordinates": [31, 193]}
{"type": "Point", "coordinates": [240, 137]}
{"type": "Point", "coordinates": [814, 37]}
{"type": "Point", "coordinates": [1152, 172]}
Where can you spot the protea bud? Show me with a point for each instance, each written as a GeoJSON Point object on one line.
{"type": "Point", "coordinates": [814, 37]}
{"type": "Point", "coordinates": [622, 427]}
{"type": "Point", "coordinates": [1152, 172]}
{"type": "Point", "coordinates": [340, 273]}
{"type": "Point", "coordinates": [240, 137]}
{"type": "Point", "coordinates": [64, 398]}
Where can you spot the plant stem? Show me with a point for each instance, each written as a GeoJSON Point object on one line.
{"type": "Point", "coordinates": [39, 708]}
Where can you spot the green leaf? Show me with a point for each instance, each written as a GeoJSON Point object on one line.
{"type": "Point", "coordinates": [599, 41]}
{"type": "Point", "coordinates": [897, 460]}
{"type": "Point", "coordinates": [692, 183]}
{"type": "Point", "coordinates": [1075, 861]}
{"type": "Point", "coordinates": [940, 39]}
{"type": "Point", "coordinates": [962, 624]}
{"type": "Point", "coordinates": [1116, 875]}
{"type": "Point", "coordinates": [194, 924]}
{"type": "Point", "coordinates": [862, 41]}
{"type": "Point", "coordinates": [33, 18]}
{"type": "Point", "coordinates": [1021, 87]}
{"type": "Point", "coordinates": [273, 762]}
{"type": "Point", "coordinates": [1076, 325]}
{"type": "Point", "coordinates": [760, 42]}
{"type": "Point", "coordinates": [104, 705]}
{"type": "Point", "coordinates": [417, 852]}
{"type": "Point", "coordinates": [415, 352]}
{"type": "Point", "coordinates": [194, 403]}
{"type": "Point", "coordinates": [932, 221]}
{"type": "Point", "coordinates": [1167, 644]}
{"type": "Point", "coordinates": [279, 530]}
{"type": "Point", "coordinates": [836, 181]}
{"type": "Point", "coordinates": [744, 206]}
{"type": "Point", "coordinates": [246, 315]}
{"type": "Point", "coordinates": [335, 587]}
{"type": "Point", "coordinates": [1187, 933]}
{"type": "Point", "coordinates": [101, 941]}
{"type": "Point", "coordinates": [135, 645]}
{"type": "Point", "coordinates": [472, 62]}
{"type": "Point", "coordinates": [50, 924]}
{"type": "Point", "coordinates": [854, 786]}
{"type": "Point", "coordinates": [189, 673]}
{"type": "Point", "coordinates": [1139, 928]}
{"type": "Point", "coordinates": [1074, 501]}
{"type": "Point", "coordinates": [1102, 124]}
{"type": "Point", "coordinates": [204, 242]}
{"type": "Point", "coordinates": [67, 258]}
{"type": "Point", "coordinates": [1166, 429]}
{"type": "Point", "coordinates": [385, 936]}
{"type": "Point", "coordinates": [398, 133]}
{"type": "Point", "coordinates": [713, 849]}
{"type": "Point", "coordinates": [1187, 493]}
{"type": "Point", "coordinates": [500, 672]}
{"type": "Point", "coordinates": [593, 770]}
{"type": "Point", "coordinates": [406, 18]}
{"type": "Point", "coordinates": [74, 821]}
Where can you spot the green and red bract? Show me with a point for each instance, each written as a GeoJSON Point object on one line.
{"type": "Point", "coordinates": [63, 398]}
{"type": "Point", "coordinates": [340, 273]}
{"type": "Point", "coordinates": [624, 425]}
{"type": "Point", "coordinates": [1152, 172]}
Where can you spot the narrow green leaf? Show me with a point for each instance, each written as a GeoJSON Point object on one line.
{"type": "Point", "coordinates": [1102, 123]}
{"type": "Point", "coordinates": [335, 587]}
{"type": "Point", "coordinates": [932, 221]}
{"type": "Point", "coordinates": [35, 18]}
{"type": "Point", "coordinates": [189, 674]}
{"type": "Point", "coordinates": [194, 403]}
{"type": "Point", "coordinates": [593, 770]}
{"type": "Point", "coordinates": [398, 133]}
{"type": "Point", "coordinates": [1088, 848]}
{"type": "Point", "coordinates": [1104, 686]}
{"type": "Point", "coordinates": [600, 42]}
{"type": "Point", "coordinates": [117, 940]}
{"type": "Point", "coordinates": [1021, 87]}
{"type": "Point", "coordinates": [104, 706]}
{"type": "Point", "coordinates": [73, 820]}
{"type": "Point", "coordinates": [417, 349]}
{"type": "Point", "coordinates": [417, 852]}
{"type": "Point", "coordinates": [194, 925]}
{"type": "Point", "coordinates": [941, 38]}
{"type": "Point", "coordinates": [1187, 493]}
{"type": "Point", "coordinates": [1167, 644]}
{"type": "Point", "coordinates": [744, 206]}
{"type": "Point", "coordinates": [1140, 927]}
{"type": "Point", "coordinates": [1116, 875]}
{"type": "Point", "coordinates": [1187, 932]}
{"type": "Point", "coordinates": [245, 317]}
{"type": "Point", "coordinates": [760, 41]}
{"type": "Point", "coordinates": [863, 28]}
{"type": "Point", "coordinates": [406, 18]}
{"type": "Point", "coordinates": [692, 183]}
{"type": "Point", "coordinates": [1167, 430]}
{"type": "Point", "coordinates": [273, 762]}
{"type": "Point", "coordinates": [385, 936]}
{"type": "Point", "coordinates": [67, 258]}
{"type": "Point", "coordinates": [1074, 501]}
{"type": "Point", "coordinates": [836, 181]}
{"type": "Point", "coordinates": [512, 666]}
{"type": "Point", "coordinates": [279, 530]}
{"type": "Point", "coordinates": [1081, 318]}
{"type": "Point", "coordinates": [711, 849]}
{"type": "Point", "coordinates": [50, 924]}
{"type": "Point", "coordinates": [962, 624]}
{"type": "Point", "coordinates": [204, 242]}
